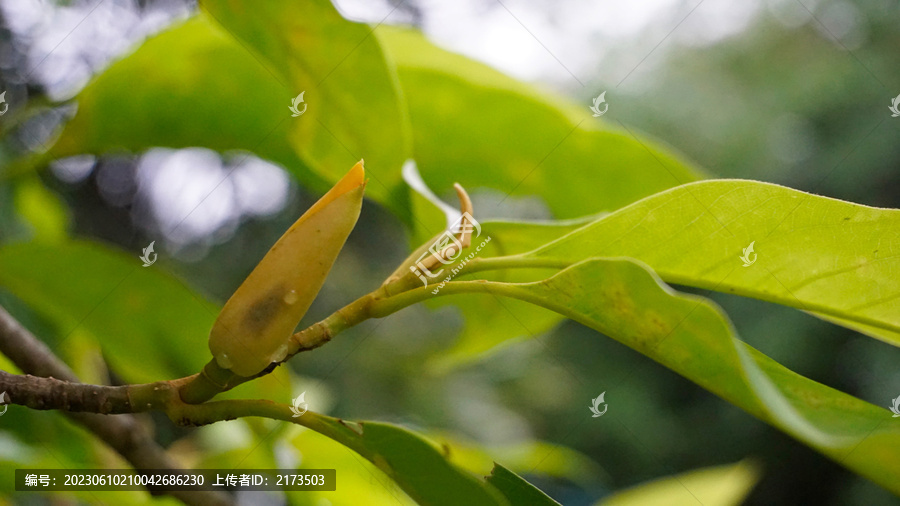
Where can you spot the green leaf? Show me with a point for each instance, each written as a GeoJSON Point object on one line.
{"type": "Point", "coordinates": [414, 463]}
{"type": "Point", "coordinates": [516, 489]}
{"type": "Point", "coordinates": [725, 485]}
{"type": "Point", "coordinates": [835, 259]}
{"type": "Point", "coordinates": [149, 325]}
{"type": "Point", "coordinates": [690, 335]}
{"type": "Point", "coordinates": [481, 128]}
{"type": "Point", "coordinates": [354, 105]}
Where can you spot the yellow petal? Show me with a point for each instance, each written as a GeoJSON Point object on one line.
{"type": "Point", "coordinates": [254, 327]}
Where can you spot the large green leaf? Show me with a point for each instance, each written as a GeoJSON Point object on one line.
{"type": "Point", "coordinates": [688, 334]}
{"type": "Point", "coordinates": [714, 486]}
{"type": "Point", "coordinates": [354, 105]}
{"type": "Point", "coordinates": [149, 325]}
{"type": "Point", "coordinates": [835, 259]}
{"type": "Point", "coordinates": [481, 128]}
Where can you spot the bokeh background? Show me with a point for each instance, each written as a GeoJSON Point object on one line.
{"type": "Point", "coordinates": [786, 91]}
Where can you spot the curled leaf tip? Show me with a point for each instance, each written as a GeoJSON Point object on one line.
{"type": "Point", "coordinates": [465, 203]}
{"type": "Point", "coordinates": [463, 239]}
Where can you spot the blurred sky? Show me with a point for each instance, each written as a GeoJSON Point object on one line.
{"type": "Point", "coordinates": [584, 43]}
{"type": "Point", "coordinates": [567, 42]}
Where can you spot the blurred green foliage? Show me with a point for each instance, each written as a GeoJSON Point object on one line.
{"type": "Point", "coordinates": [777, 104]}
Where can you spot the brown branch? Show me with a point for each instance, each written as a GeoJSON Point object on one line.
{"type": "Point", "coordinates": [50, 393]}
{"type": "Point", "coordinates": [123, 433]}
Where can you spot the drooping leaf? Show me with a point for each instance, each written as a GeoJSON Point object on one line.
{"type": "Point", "coordinates": [690, 335]}
{"type": "Point", "coordinates": [413, 462]}
{"type": "Point", "coordinates": [255, 326]}
{"type": "Point", "coordinates": [725, 485]}
{"type": "Point", "coordinates": [516, 489]}
{"type": "Point", "coordinates": [148, 324]}
{"type": "Point", "coordinates": [835, 259]}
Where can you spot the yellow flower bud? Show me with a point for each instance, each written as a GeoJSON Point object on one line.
{"type": "Point", "coordinates": [254, 328]}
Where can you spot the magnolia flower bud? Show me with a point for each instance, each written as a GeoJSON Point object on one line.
{"type": "Point", "coordinates": [255, 326]}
